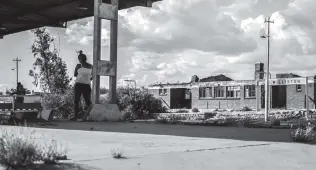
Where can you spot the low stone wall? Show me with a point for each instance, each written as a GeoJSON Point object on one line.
{"type": "Point", "coordinates": [221, 114]}
{"type": "Point", "coordinates": [186, 116]}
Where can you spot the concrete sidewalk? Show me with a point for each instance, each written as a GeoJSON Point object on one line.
{"type": "Point", "coordinates": [92, 150]}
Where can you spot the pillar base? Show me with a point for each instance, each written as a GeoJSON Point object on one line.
{"type": "Point", "coordinates": [105, 112]}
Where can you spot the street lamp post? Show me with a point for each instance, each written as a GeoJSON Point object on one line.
{"type": "Point", "coordinates": [266, 109]}
{"type": "Point", "coordinates": [17, 60]}
{"type": "Point", "coordinates": [134, 86]}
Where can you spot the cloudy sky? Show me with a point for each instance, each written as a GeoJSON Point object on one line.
{"type": "Point", "coordinates": [176, 39]}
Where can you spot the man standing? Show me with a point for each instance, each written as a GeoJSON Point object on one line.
{"type": "Point", "coordinates": [19, 91]}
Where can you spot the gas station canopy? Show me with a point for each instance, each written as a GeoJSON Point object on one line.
{"type": "Point", "coordinates": [22, 15]}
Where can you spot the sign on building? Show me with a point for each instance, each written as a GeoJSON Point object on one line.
{"type": "Point", "coordinates": [287, 81]}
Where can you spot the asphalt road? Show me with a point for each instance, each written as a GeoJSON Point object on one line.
{"type": "Point", "coordinates": [238, 133]}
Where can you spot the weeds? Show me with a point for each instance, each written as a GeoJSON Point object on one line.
{"type": "Point", "coordinates": [20, 150]}
{"type": "Point", "coordinates": [182, 111]}
{"type": "Point", "coordinates": [195, 110]}
{"type": "Point", "coordinates": [117, 154]}
{"type": "Point", "coordinates": [169, 119]}
{"type": "Point", "coordinates": [304, 135]}
{"type": "Point", "coordinates": [52, 153]}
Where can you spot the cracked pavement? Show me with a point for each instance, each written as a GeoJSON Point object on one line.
{"type": "Point", "coordinates": [92, 149]}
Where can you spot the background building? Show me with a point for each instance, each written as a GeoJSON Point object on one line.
{"type": "Point", "coordinates": [287, 92]}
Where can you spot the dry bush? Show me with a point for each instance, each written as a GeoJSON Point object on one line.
{"type": "Point", "coordinates": [169, 119]}
{"type": "Point", "coordinates": [128, 113]}
{"type": "Point", "coordinates": [138, 105]}
{"type": "Point", "coordinates": [182, 111]}
{"type": "Point", "coordinates": [20, 152]}
{"type": "Point", "coordinates": [62, 103]}
{"type": "Point", "coordinates": [117, 154]}
{"type": "Point", "coordinates": [195, 110]}
{"type": "Point", "coordinates": [52, 153]}
{"type": "Point", "coordinates": [304, 135]}
{"type": "Point", "coordinates": [141, 103]}
{"type": "Point", "coordinates": [162, 119]}
{"type": "Point", "coordinates": [245, 109]}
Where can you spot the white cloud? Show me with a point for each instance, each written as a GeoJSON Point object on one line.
{"type": "Point", "coordinates": [176, 39]}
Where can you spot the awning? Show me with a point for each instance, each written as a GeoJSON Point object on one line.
{"type": "Point", "coordinates": [22, 15]}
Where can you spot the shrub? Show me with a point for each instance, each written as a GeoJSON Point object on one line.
{"type": "Point", "coordinates": [138, 105]}
{"type": "Point", "coordinates": [143, 103]}
{"type": "Point", "coordinates": [127, 113]}
{"type": "Point", "coordinates": [210, 115]}
{"type": "Point", "coordinates": [182, 111]}
{"type": "Point", "coordinates": [61, 103]}
{"type": "Point", "coordinates": [174, 119]}
{"type": "Point", "coordinates": [246, 109]}
{"type": "Point", "coordinates": [162, 119]}
{"type": "Point", "coordinates": [195, 110]}
{"type": "Point", "coordinates": [169, 119]}
{"type": "Point", "coordinates": [304, 135]}
{"type": "Point", "coordinates": [16, 152]}
{"type": "Point", "coordinates": [52, 153]}
{"type": "Point", "coordinates": [20, 152]}
{"type": "Point", "coordinates": [104, 98]}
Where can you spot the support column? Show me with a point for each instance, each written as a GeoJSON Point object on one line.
{"type": "Point", "coordinates": [110, 111]}
{"type": "Point", "coordinates": [113, 56]}
{"type": "Point", "coordinates": [96, 52]}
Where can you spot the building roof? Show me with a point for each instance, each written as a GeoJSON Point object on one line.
{"type": "Point", "coordinates": [168, 84]}
{"type": "Point", "coordinates": [216, 78]}
{"type": "Point", "coordinates": [22, 15]}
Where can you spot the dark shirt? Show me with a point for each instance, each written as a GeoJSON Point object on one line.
{"type": "Point", "coordinates": [20, 90]}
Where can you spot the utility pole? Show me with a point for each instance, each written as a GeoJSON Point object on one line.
{"type": "Point", "coordinates": [267, 94]}
{"type": "Point", "coordinates": [17, 60]}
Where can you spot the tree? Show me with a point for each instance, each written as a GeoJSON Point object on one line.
{"type": "Point", "coordinates": [220, 77]}
{"type": "Point", "coordinates": [49, 70]}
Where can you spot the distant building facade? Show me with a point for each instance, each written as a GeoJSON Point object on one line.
{"type": "Point", "coordinates": [287, 91]}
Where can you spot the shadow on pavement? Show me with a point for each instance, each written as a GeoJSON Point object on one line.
{"type": "Point", "coordinates": [237, 133]}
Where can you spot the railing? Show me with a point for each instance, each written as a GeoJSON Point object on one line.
{"type": "Point", "coordinates": [13, 97]}
{"type": "Point", "coordinates": [165, 102]}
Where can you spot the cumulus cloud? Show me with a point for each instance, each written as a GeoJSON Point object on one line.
{"type": "Point", "coordinates": [175, 39]}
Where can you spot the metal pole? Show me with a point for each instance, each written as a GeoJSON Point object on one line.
{"type": "Point", "coordinates": [17, 60]}
{"type": "Point", "coordinates": [96, 52]}
{"type": "Point", "coordinates": [113, 57]}
{"type": "Point", "coordinates": [306, 98]}
{"type": "Point", "coordinates": [17, 71]}
{"type": "Point", "coordinates": [267, 88]}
